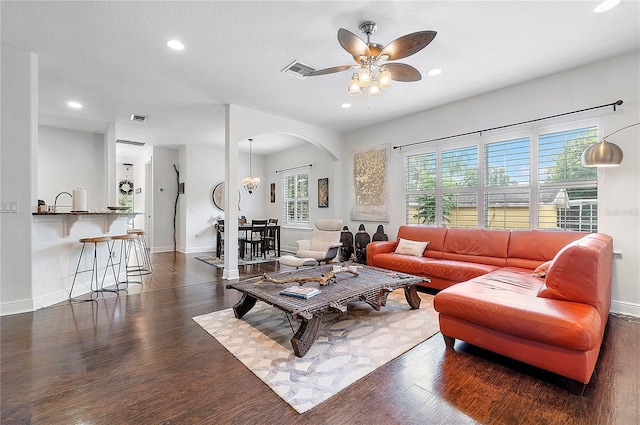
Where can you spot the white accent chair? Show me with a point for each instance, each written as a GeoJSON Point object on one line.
{"type": "Point", "coordinates": [324, 244]}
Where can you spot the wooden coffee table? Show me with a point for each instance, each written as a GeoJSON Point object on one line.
{"type": "Point", "coordinates": [371, 285]}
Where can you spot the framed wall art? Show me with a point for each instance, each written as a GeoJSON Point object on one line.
{"type": "Point", "coordinates": [323, 193]}
{"type": "Point", "coordinates": [272, 193]}
{"type": "Point", "coordinates": [370, 194]}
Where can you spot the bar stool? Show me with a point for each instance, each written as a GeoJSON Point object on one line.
{"type": "Point", "coordinates": [127, 247]}
{"type": "Point", "coordinates": [144, 266]}
{"type": "Point", "coordinates": [96, 241]}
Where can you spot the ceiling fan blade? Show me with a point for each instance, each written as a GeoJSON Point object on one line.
{"type": "Point", "coordinates": [407, 45]}
{"type": "Point", "coordinates": [403, 72]}
{"type": "Point", "coordinates": [329, 70]}
{"type": "Point", "coordinates": [352, 44]}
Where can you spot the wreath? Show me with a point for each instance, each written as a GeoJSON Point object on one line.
{"type": "Point", "coordinates": [126, 187]}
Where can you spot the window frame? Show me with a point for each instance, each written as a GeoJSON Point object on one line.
{"type": "Point", "coordinates": [295, 199]}
{"type": "Point", "coordinates": [481, 141]}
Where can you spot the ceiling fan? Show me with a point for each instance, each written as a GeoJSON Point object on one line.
{"type": "Point", "coordinates": [371, 59]}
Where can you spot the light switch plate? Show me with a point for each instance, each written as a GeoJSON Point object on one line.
{"type": "Point", "coordinates": [9, 207]}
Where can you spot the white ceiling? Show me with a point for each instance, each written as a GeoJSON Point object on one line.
{"type": "Point", "coordinates": [111, 56]}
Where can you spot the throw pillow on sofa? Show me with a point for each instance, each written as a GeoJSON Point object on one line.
{"type": "Point", "coordinates": [541, 270]}
{"type": "Point", "coordinates": [408, 247]}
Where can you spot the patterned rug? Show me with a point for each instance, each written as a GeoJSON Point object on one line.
{"type": "Point", "coordinates": [350, 345]}
{"type": "Point", "coordinates": [219, 262]}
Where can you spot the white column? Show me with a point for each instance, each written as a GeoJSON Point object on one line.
{"type": "Point", "coordinates": [230, 198]}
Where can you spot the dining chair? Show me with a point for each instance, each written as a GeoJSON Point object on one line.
{"type": "Point", "coordinates": [270, 237]}
{"type": "Point", "coordinates": [255, 238]}
{"type": "Point", "coordinates": [220, 238]}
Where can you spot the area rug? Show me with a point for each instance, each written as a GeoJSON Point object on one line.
{"type": "Point", "coordinates": [219, 262]}
{"type": "Point", "coordinates": [350, 345]}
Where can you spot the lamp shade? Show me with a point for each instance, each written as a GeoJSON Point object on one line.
{"type": "Point", "coordinates": [384, 78]}
{"type": "Point", "coordinates": [354, 86]}
{"type": "Point", "coordinates": [364, 77]}
{"type": "Point", "coordinates": [250, 180]}
{"type": "Point", "coordinates": [374, 88]}
{"type": "Point", "coordinates": [603, 154]}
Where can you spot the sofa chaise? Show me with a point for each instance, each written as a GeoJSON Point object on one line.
{"type": "Point", "coordinates": [540, 297]}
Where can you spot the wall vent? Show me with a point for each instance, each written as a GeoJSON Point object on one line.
{"type": "Point", "coordinates": [297, 69]}
{"type": "Point", "coordinates": [130, 142]}
{"type": "Point", "coordinates": [139, 118]}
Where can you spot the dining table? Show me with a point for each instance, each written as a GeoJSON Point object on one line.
{"type": "Point", "coordinates": [246, 227]}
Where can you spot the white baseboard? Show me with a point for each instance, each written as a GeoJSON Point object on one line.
{"type": "Point", "coordinates": [16, 307]}
{"type": "Point", "coordinates": [50, 299]}
{"type": "Point", "coordinates": [626, 308]}
{"type": "Point", "coordinates": [198, 249]}
{"type": "Point", "coordinates": [162, 249]}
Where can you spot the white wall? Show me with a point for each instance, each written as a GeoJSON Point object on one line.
{"type": "Point", "coordinates": [322, 166]}
{"type": "Point", "coordinates": [68, 160]}
{"type": "Point", "coordinates": [140, 181]}
{"type": "Point", "coordinates": [592, 85]}
{"type": "Point", "coordinates": [202, 167]}
{"type": "Point", "coordinates": [165, 188]}
{"type": "Point", "coordinates": [109, 143]}
{"type": "Point", "coordinates": [18, 139]}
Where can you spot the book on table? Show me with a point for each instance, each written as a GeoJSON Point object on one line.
{"type": "Point", "coordinates": [300, 292]}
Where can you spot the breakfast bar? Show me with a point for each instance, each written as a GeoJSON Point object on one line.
{"type": "Point", "coordinates": [56, 249]}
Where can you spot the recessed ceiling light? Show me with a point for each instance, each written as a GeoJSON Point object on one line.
{"type": "Point", "coordinates": [606, 5]}
{"type": "Point", "coordinates": [434, 72]}
{"type": "Point", "coordinates": [346, 105]}
{"type": "Point", "coordinates": [74, 105]}
{"type": "Point", "coordinates": [175, 45]}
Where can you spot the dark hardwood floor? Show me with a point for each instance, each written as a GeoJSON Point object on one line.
{"type": "Point", "coordinates": [141, 359]}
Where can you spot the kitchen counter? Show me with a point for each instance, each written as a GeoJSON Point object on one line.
{"type": "Point", "coordinates": [71, 218]}
{"type": "Point", "coordinates": [56, 251]}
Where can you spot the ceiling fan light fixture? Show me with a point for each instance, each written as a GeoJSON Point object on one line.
{"type": "Point", "coordinates": [384, 78]}
{"type": "Point", "coordinates": [370, 56]}
{"type": "Point", "coordinates": [374, 88]}
{"type": "Point", "coordinates": [364, 77]}
{"type": "Point", "coordinates": [354, 86]}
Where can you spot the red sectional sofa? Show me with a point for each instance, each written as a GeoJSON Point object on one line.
{"type": "Point", "coordinates": [490, 298]}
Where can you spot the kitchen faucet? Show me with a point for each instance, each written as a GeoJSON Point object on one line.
{"type": "Point", "coordinates": [55, 202]}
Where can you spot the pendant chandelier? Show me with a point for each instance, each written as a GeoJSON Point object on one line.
{"type": "Point", "coordinates": [250, 183]}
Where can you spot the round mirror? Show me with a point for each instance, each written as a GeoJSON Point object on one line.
{"type": "Point", "coordinates": [218, 196]}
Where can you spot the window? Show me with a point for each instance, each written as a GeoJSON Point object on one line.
{"type": "Point", "coordinates": [568, 193]}
{"type": "Point", "coordinates": [459, 183]}
{"type": "Point", "coordinates": [459, 187]}
{"type": "Point", "coordinates": [295, 199]}
{"type": "Point", "coordinates": [421, 189]}
{"type": "Point", "coordinates": [507, 173]}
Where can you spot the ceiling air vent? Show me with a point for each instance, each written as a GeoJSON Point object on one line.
{"type": "Point", "coordinates": [139, 118]}
{"type": "Point", "coordinates": [130, 142]}
{"type": "Point", "coordinates": [297, 69]}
